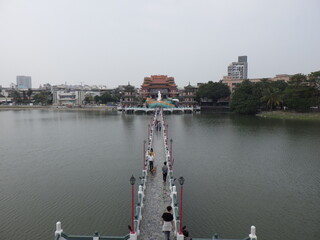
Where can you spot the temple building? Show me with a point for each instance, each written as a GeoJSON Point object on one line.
{"type": "Point", "coordinates": [163, 83]}
{"type": "Point", "coordinates": [188, 96]}
{"type": "Point", "coordinates": [129, 98]}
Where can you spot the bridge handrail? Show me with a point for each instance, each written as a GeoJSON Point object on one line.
{"type": "Point", "coordinates": [142, 186]}
{"type": "Point", "coordinates": [145, 109]}
{"type": "Point", "coordinates": [83, 237]}
{"type": "Point", "coordinates": [60, 235]}
{"type": "Point", "coordinates": [173, 192]}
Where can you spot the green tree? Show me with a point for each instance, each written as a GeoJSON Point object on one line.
{"type": "Point", "coordinates": [43, 98]}
{"type": "Point", "coordinates": [272, 97]}
{"type": "Point", "coordinates": [269, 92]}
{"type": "Point", "coordinates": [29, 93]}
{"type": "Point", "coordinates": [97, 99]}
{"type": "Point", "coordinates": [106, 97]}
{"type": "Point", "coordinates": [88, 98]}
{"type": "Point", "coordinates": [298, 80]}
{"type": "Point", "coordinates": [300, 98]}
{"type": "Point", "coordinates": [117, 94]}
{"type": "Point", "coordinates": [259, 87]}
{"type": "Point", "coordinates": [243, 100]}
{"type": "Point", "coordinates": [213, 91]}
{"type": "Point", "coordinates": [24, 96]}
{"type": "Point", "coordinates": [281, 85]}
{"type": "Point", "coordinates": [16, 96]}
{"type": "Point", "coordinates": [314, 80]}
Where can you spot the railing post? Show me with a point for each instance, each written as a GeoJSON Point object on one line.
{"type": "Point", "coordinates": [140, 192]}
{"type": "Point", "coordinates": [173, 195]}
{"type": "Point", "coordinates": [252, 234]}
{"type": "Point", "coordinates": [59, 230]}
{"type": "Point", "coordinates": [133, 236]}
{"type": "Point", "coordinates": [144, 172]}
{"type": "Point", "coordinates": [180, 236]}
{"type": "Point", "coordinates": [96, 236]}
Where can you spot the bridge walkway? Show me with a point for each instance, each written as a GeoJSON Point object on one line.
{"type": "Point", "coordinates": [157, 196]}
{"type": "Point", "coordinates": [153, 198]}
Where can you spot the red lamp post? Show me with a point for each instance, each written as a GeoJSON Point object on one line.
{"type": "Point", "coordinates": [171, 162]}
{"type": "Point", "coordinates": [181, 181]}
{"type": "Point", "coordinates": [144, 154]}
{"type": "Point", "coordinates": [167, 131]}
{"type": "Point", "coordinates": [132, 181]}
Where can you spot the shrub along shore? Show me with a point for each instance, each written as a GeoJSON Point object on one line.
{"type": "Point", "coordinates": [290, 115]}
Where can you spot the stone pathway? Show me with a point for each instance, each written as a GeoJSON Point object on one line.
{"type": "Point", "coordinates": [157, 196]}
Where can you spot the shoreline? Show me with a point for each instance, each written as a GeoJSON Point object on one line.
{"type": "Point", "coordinates": [286, 115]}
{"type": "Point", "coordinates": [58, 108]}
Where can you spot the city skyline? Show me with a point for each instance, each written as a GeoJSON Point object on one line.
{"type": "Point", "coordinates": [115, 42]}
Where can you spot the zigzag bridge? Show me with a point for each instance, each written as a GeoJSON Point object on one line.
{"type": "Point", "coordinates": [153, 195]}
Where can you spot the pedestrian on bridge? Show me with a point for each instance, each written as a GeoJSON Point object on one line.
{"type": "Point", "coordinates": [167, 221]}
{"type": "Point", "coordinates": [151, 160]}
{"type": "Point", "coordinates": [164, 171]}
{"type": "Point", "coordinates": [151, 152]}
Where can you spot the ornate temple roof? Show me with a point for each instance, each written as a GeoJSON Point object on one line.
{"type": "Point", "coordinates": [159, 80]}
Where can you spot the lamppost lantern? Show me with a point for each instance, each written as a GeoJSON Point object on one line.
{"type": "Point", "coordinates": [171, 141]}
{"type": "Point", "coordinates": [145, 141]}
{"type": "Point", "coordinates": [181, 180]}
{"type": "Point", "coordinates": [132, 180]}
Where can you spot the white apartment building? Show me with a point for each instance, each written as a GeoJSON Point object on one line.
{"type": "Point", "coordinates": [239, 70]}
{"type": "Point", "coordinates": [63, 97]}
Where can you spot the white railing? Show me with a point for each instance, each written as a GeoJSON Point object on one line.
{"type": "Point", "coordinates": [173, 190]}
{"type": "Point", "coordinates": [144, 109]}
{"type": "Point", "coordinates": [142, 187]}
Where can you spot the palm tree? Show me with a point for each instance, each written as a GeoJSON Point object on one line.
{"type": "Point", "coordinates": [272, 97]}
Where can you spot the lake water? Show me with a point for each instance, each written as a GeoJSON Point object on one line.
{"type": "Point", "coordinates": [240, 171]}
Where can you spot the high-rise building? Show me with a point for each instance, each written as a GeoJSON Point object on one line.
{"type": "Point", "coordinates": [239, 70]}
{"type": "Point", "coordinates": [23, 82]}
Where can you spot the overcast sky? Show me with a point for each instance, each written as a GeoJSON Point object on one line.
{"type": "Point", "coordinates": [113, 42]}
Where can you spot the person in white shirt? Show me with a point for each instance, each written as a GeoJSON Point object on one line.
{"type": "Point", "coordinates": [151, 161]}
